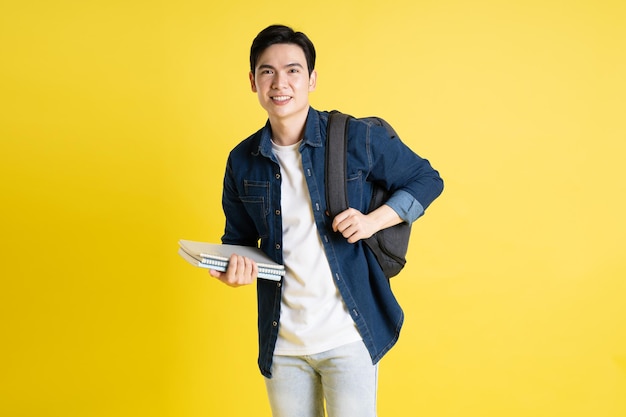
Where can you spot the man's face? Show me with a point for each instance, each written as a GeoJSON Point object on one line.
{"type": "Point", "coordinates": [282, 81]}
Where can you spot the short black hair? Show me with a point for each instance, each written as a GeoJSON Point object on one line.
{"type": "Point", "coordinates": [276, 34]}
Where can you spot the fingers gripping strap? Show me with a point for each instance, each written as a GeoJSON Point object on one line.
{"type": "Point", "coordinates": [336, 144]}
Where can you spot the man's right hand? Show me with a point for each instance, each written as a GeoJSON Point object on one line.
{"type": "Point", "coordinates": [241, 271]}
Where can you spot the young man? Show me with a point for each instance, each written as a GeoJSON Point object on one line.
{"type": "Point", "coordinates": [325, 326]}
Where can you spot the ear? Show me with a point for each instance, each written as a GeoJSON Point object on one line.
{"type": "Point", "coordinates": [312, 80]}
{"type": "Point", "coordinates": [252, 83]}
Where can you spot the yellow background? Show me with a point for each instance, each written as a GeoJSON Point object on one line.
{"type": "Point", "coordinates": [116, 118]}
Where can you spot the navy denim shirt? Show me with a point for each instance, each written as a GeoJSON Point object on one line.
{"type": "Point", "coordinates": [251, 202]}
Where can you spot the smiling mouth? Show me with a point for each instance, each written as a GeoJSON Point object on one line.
{"type": "Point", "coordinates": [281, 99]}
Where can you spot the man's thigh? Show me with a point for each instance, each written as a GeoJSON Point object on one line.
{"type": "Point", "coordinates": [295, 389]}
{"type": "Point", "coordinates": [349, 381]}
{"type": "Point", "coordinates": [344, 377]}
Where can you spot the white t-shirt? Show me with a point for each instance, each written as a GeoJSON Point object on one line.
{"type": "Point", "coordinates": [313, 317]}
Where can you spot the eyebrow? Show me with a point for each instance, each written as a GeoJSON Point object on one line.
{"type": "Point", "coordinates": [293, 64]}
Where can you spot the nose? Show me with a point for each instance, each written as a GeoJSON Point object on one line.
{"type": "Point", "coordinates": [278, 81]}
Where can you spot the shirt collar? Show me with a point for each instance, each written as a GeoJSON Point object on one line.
{"type": "Point", "coordinates": [312, 134]}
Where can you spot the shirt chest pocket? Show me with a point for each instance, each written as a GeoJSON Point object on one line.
{"type": "Point", "coordinates": [354, 184]}
{"type": "Point", "coordinates": [256, 200]}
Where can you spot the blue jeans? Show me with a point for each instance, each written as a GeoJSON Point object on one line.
{"type": "Point", "coordinates": [344, 377]}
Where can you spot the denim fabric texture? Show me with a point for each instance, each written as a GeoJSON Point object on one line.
{"type": "Point", "coordinates": [251, 202]}
{"type": "Point", "coordinates": [342, 380]}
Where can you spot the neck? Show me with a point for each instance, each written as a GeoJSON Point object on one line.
{"type": "Point", "coordinates": [287, 131]}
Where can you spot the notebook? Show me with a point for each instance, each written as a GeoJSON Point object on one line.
{"type": "Point", "coordinates": [215, 256]}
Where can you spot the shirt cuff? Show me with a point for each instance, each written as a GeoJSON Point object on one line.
{"type": "Point", "coordinates": [406, 206]}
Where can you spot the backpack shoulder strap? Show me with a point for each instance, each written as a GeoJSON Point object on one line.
{"type": "Point", "coordinates": [335, 168]}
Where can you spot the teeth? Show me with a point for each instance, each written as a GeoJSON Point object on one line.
{"type": "Point", "coordinates": [281, 98]}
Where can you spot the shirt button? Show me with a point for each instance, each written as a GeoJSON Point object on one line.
{"type": "Point", "coordinates": [277, 175]}
{"type": "Point", "coordinates": [277, 246]}
{"type": "Point", "coordinates": [274, 324]}
{"type": "Point", "coordinates": [277, 212]}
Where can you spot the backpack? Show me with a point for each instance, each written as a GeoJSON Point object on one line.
{"type": "Point", "coordinates": [388, 245]}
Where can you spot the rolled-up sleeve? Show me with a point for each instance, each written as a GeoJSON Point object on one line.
{"type": "Point", "coordinates": [413, 182]}
{"type": "Point", "coordinates": [406, 206]}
